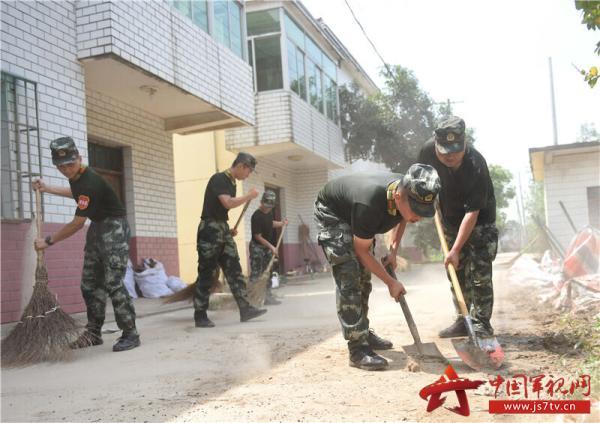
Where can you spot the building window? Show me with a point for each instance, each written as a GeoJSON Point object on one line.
{"type": "Point", "coordinates": [315, 87]}
{"type": "Point", "coordinates": [227, 19]}
{"type": "Point", "coordinates": [263, 22]}
{"type": "Point", "coordinates": [228, 24]}
{"type": "Point", "coordinates": [20, 146]}
{"type": "Point", "coordinates": [331, 96]}
{"type": "Point", "coordinates": [593, 200]}
{"type": "Point", "coordinates": [196, 10]}
{"type": "Point", "coordinates": [297, 75]}
{"type": "Point", "coordinates": [267, 63]}
{"type": "Point", "coordinates": [317, 71]}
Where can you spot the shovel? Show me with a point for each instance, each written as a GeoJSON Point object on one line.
{"type": "Point", "coordinates": [476, 352]}
{"type": "Point", "coordinates": [426, 351]}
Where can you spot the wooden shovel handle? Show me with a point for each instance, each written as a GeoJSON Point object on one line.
{"type": "Point", "coordinates": [451, 269]}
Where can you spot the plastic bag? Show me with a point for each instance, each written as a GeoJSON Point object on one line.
{"type": "Point", "coordinates": [175, 284]}
{"type": "Point", "coordinates": [275, 280]}
{"type": "Point", "coordinates": [129, 280]}
{"type": "Point", "coordinates": [153, 280]}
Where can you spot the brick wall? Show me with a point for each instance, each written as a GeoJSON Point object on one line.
{"type": "Point", "coordinates": [155, 37]}
{"type": "Point", "coordinates": [164, 250]}
{"type": "Point", "coordinates": [63, 261]}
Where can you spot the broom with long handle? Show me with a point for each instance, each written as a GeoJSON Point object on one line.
{"type": "Point", "coordinates": [258, 290]}
{"type": "Point", "coordinates": [187, 293]}
{"type": "Point", "coordinates": [45, 330]}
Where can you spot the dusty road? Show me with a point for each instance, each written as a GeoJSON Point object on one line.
{"type": "Point", "coordinates": [289, 365]}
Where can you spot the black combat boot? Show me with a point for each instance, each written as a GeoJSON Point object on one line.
{"type": "Point", "coordinates": [250, 312]}
{"type": "Point", "coordinates": [202, 320]}
{"type": "Point", "coordinates": [455, 330]}
{"type": "Point", "coordinates": [89, 338]}
{"type": "Point", "coordinates": [378, 343]}
{"type": "Point", "coordinates": [127, 341]}
{"type": "Point", "coordinates": [366, 359]}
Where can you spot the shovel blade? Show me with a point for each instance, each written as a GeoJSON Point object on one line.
{"type": "Point", "coordinates": [427, 351]}
{"type": "Point", "coordinates": [488, 354]}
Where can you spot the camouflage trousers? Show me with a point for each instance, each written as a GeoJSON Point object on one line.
{"type": "Point", "coordinates": [260, 257]}
{"type": "Point", "coordinates": [216, 248]}
{"type": "Point", "coordinates": [475, 274]}
{"type": "Point", "coordinates": [104, 266]}
{"type": "Point", "coordinates": [352, 279]}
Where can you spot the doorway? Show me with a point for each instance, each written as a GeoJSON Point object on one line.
{"type": "Point", "coordinates": [108, 163]}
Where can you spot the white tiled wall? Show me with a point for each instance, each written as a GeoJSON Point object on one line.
{"type": "Point", "coordinates": [38, 43]}
{"type": "Point", "coordinates": [566, 179]}
{"type": "Point", "coordinates": [149, 178]}
{"type": "Point", "coordinates": [155, 37]}
{"type": "Point", "coordinates": [282, 116]}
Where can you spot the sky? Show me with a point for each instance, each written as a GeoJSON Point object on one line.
{"type": "Point", "coordinates": [491, 58]}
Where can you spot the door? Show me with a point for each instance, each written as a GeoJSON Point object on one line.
{"type": "Point", "coordinates": [108, 163]}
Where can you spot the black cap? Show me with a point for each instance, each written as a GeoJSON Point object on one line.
{"type": "Point", "coordinates": [423, 185]}
{"type": "Point", "coordinates": [64, 151]}
{"type": "Point", "coordinates": [245, 158]}
{"type": "Point", "coordinates": [450, 135]}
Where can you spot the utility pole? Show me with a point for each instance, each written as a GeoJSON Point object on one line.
{"type": "Point", "coordinates": [552, 101]}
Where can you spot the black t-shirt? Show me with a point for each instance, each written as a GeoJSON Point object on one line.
{"type": "Point", "coordinates": [220, 183]}
{"type": "Point", "coordinates": [262, 223]}
{"type": "Point", "coordinates": [467, 189]}
{"type": "Point", "coordinates": [95, 198]}
{"type": "Point", "coordinates": [361, 201]}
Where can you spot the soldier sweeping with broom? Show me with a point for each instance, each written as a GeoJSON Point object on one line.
{"type": "Point", "coordinates": [106, 246]}
{"type": "Point", "coordinates": [215, 243]}
{"type": "Point", "coordinates": [261, 247]}
{"type": "Point", "coordinates": [350, 211]}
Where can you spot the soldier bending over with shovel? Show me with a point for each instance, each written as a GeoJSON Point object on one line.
{"type": "Point", "coordinates": [350, 211]}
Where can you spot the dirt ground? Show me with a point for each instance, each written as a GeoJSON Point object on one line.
{"type": "Point", "coordinates": [289, 365]}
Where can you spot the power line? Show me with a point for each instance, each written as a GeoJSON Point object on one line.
{"type": "Point", "coordinates": [387, 67]}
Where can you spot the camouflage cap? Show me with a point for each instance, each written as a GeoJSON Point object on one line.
{"type": "Point", "coordinates": [268, 199]}
{"type": "Point", "coordinates": [423, 184]}
{"type": "Point", "coordinates": [63, 151]}
{"type": "Point", "coordinates": [245, 158]}
{"type": "Point", "coordinates": [450, 135]}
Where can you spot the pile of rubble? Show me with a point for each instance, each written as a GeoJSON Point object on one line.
{"type": "Point", "coordinates": [570, 284]}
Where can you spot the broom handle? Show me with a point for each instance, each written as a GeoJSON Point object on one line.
{"type": "Point", "coordinates": [38, 224]}
{"type": "Point", "coordinates": [276, 247]}
{"type": "Point", "coordinates": [457, 291]}
{"type": "Point", "coordinates": [241, 215]}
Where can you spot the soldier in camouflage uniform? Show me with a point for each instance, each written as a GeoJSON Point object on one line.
{"type": "Point", "coordinates": [350, 211]}
{"type": "Point", "coordinates": [468, 207]}
{"type": "Point", "coordinates": [215, 244]}
{"type": "Point", "coordinates": [106, 245]}
{"type": "Point", "coordinates": [262, 248]}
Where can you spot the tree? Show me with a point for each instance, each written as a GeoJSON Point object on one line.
{"type": "Point", "coordinates": [587, 133]}
{"type": "Point", "coordinates": [590, 17]}
{"type": "Point", "coordinates": [503, 191]}
{"type": "Point", "coordinates": [390, 127]}
{"type": "Point", "coordinates": [362, 123]}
